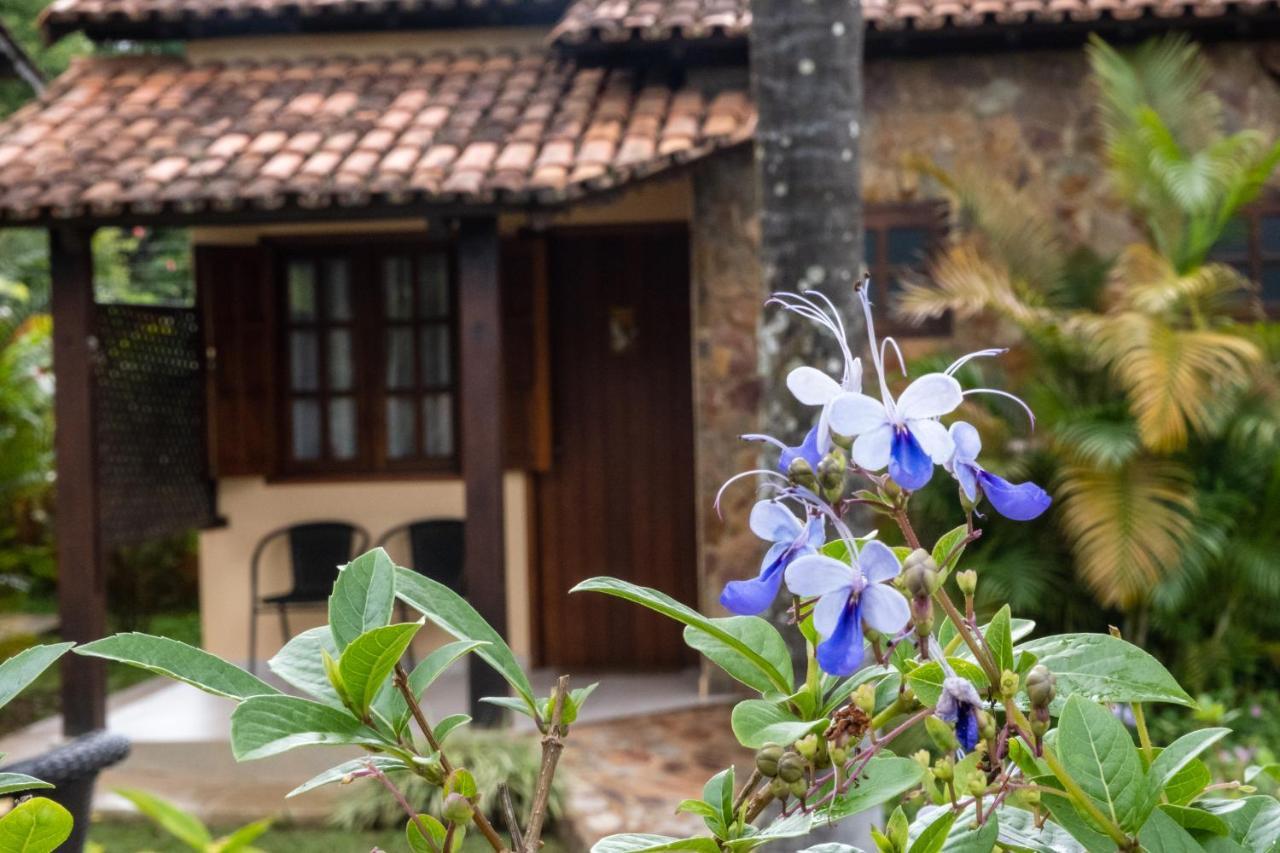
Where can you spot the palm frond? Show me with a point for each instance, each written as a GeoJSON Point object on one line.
{"type": "Point", "coordinates": [967, 281]}
{"type": "Point", "coordinates": [1144, 280]}
{"type": "Point", "coordinates": [1098, 442]}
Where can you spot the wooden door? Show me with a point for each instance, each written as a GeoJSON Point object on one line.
{"type": "Point", "coordinates": [618, 499]}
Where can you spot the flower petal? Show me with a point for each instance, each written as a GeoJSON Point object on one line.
{"type": "Point", "coordinates": [871, 449]}
{"type": "Point", "coordinates": [967, 441]}
{"type": "Point", "coordinates": [811, 386]}
{"type": "Point", "coordinates": [934, 438]}
{"type": "Point", "coordinates": [909, 466]}
{"type": "Point", "coordinates": [841, 653]}
{"type": "Point", "coordinates": [807, 450]}
{"type": "Point", "coordinates": [931, 396]}
{"type": "Point", "coordinates": [1021, 502]}
{"type": "Point", "coordinates": [878, 562]}
{"type": "Point", "coordinates": [884, 608]}
{"type": "Point", "coordinates": [773, 522]}
{"type": "Point", "coordinates": [818, 574]}
{"type": "Point", "coordinates": [827, 612]}
{"type": "Point", "coordinates": [749, 597]}
{"type": "Point", "coordinates": [854, 414]}
{"type": "Point", "coordinates": [967, 727]}
{"type": "Point", "coordinates": [967, 476]}
{"type": "Point", "coordinates": [817, 532]}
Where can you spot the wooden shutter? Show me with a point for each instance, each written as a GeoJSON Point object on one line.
{"type": "Point", "coordinates": [526, 356]}
{"type": "Point", "coordinates": [237, 301]}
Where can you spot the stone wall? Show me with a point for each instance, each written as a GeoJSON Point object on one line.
{"type": "Point", "coordinates": [1025, 117]}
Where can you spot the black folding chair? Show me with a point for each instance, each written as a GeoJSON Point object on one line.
{"type": "Point", "coordinates": [435, 551]}
{"type": "Point", "coordinates": [316, 550]}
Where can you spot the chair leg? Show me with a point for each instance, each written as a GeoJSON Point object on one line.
{"type": "Point", "coordinates": [253, 640]}
{"type": "Point", "coordinates": [284, 624]}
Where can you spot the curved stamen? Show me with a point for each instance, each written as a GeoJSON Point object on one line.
{"type": "Point", "coordinates": [842, 337]}
{"type": "Point", "coordinates": [803, 305]}
{"type": "Point", "coordinates": [767, 439]}
{"type": "Point", "coordinates": [965, 359]}
{"type": "Point", "coordinates": [729, 482]}
{"type": "Point", "coordinates": [1031, 416]}
{"type": "Point", "coordinates": [902, 364]}
{"type": "Point", "coordinates": [813, 501]}
{"type": "Point", "coordinates": [935, 652]}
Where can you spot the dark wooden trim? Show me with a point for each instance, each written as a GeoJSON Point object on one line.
{"type": "Point", "coordinates": [480, 344]}
{"type": "Point", "coordinates": [929, 215]}
{"type": "Point", "coordinates": [82, 588]}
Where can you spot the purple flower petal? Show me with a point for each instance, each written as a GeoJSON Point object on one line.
{"type": "Point", "coordinates": [807, 449]}
{"type": "Point", "coordinates": [909, 466]}
{"type": "Point", "coordinates": [967, 477]}
{"type": "Point", "coordinates": [1021, 502]}
{"type": "Point", "coordinates": [967, 726]}
{"type": "Point", "coordinates": [749, 597]}
{"type": "Point", "coordinates": [841, 653]}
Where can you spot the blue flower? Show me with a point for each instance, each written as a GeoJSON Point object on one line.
{"type": "Point", "coordinates": [848, 596]}
{"type": "Point", "coordinates": [959, 704]}
{"type": "Point", "coordinates": [806, 450]}
{"type": "Point", "coordinates": [772, 522]}
{"type": "Point", "coordinates": [1020, 502]}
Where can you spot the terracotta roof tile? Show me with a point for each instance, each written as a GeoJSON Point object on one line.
{"type": "Point", "coordinates": [144, 134]}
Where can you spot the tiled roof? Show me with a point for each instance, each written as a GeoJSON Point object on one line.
{"type": "Point", "coordinates": [589, 21]}
{"type": "Point", "coordinates": [146, 135]}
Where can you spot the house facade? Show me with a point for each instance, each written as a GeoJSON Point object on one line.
{"type": "Point", "coordinates": [496, 261]}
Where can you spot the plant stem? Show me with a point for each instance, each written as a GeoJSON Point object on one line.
{"type": "Point", "coordinates": [1081, 799]}
{"type": "Point", "coordinates": [1144, 736]}
{"type": "Point", "coordinates": [401, 681]}
{"type": "Point", "coordinates": [552, 746]}
{"type": "Point", "coordinates": [962, 628]}
{"type": "Point", "coordinates": [752, 781]}
{"type": "Point", "coordinates": [377, 773]}
{"type": "Point", "coordinates": [509, 815]}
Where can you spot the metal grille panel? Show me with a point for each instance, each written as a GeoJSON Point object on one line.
{"type": "Point", "coordinates": [152, 463]}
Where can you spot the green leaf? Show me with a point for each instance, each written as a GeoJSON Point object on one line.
{"type": "Point", "coordinates": [301, 664]}
{"type": "Point", "coordinates": [1018, 829]}
{"type": "Point", "coordinates": [832, 847]}
{"type": "Point", "coordinates": [461, 781]}
{"type": "Point", "coordinates": [837, 691]}
{"type": "Point", "coordinates": [643, 843]}
{"type": "Point", "coordinates": [179, 661]}
{"type": "Point", "coordinates": [1196, 820]}
{"type": "Point", "coordinates": [1253, 771]}
{"type": "Point", "coordinates": [37, 826]}
{"type": "Point", "coordinates": [786, 827]}
{"type": "Point", "coordinates": [1065, 814]}
{"type": "Point", "coordinates": [1105, 669]}
{"type": "Point", "coordinates": [185, 827]}
{"type": "Point", "coordinates": [11, 782]}
{"type": "Point", "coordinates": [885, 778]}
{"type": "Point", "coordinates": [718, 793]}
{"type": "Point", "coordinates": [934, 835]}
{"type": "Point", "coordinates": [443, 728]}
{"type": "Point", "coordinates": [370, 658]}
{"type": "Point", "coordinates": [267, 725]}
{"type": "Point", "coordinates": [385, 763]}
{"type": "Point", "coordinates": [243, 837]}
{"type": "Point", "coordinates": [668, 606]}
{"type": "Point", "coordinates": [756, 722]}
{"type": "Point", "coordinates": [999, 636]}
{"type": "Point", "coordinates": [704, 810]}
{"type": "Point", "coordinates": [1095, 748]}
{"type": "Point", "coordinates": [926, 679]}
{"type": "Point", "coordinates": [450, 611]}
{"type": "Point", "coordinates": [362, 596]}
{"type": "Point", "coordinates": [417, 843]}
{"type": "Point", "coordinates": [1254, 821]}
{"type": "Point", "coordinates": [1188, 783]}
{"type": "Point", "coordinates": [1019, 629]}
{"type": "Point", "coordinates": [753, 632]}
{"type": "Point", "coordinates": [25, 667]}
{"type": "Point", "coordinates": [1162, 833]}
{"type": "Point", "coordinates": [1179, 754]}
{"type": "Point", "coordinates": [943, 548]}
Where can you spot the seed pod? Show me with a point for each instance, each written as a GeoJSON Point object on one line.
{"type": "Point", "coordinates": [457, 809]}
{"type": "Point", "coordinates": [767, 759]}
{"type": "Point", "coordinates": [791, 768]}
{"type": "Point", "coordinates": [839, 755]}
{"type": "Point", "coordinates": [779, 788]}
{"type": "Point", "coordinates": [799, 788]}
{"type": "Point", "coordinates": [1042, 685]}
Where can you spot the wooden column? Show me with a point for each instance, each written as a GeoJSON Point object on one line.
{"type": "Point", "coordinates": [480, 329]}
{"type": "Point", "coordinates": [82, 588]}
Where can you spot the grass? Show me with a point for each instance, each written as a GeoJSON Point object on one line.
{"type": "Point", "coordinates": [134, 836]}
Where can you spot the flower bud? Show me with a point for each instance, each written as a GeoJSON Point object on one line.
{"type": "Point", "coordinates": [1031, 797]}
{"type": "Point", "coordinates": [800, 472]}
{"type": "Point", "coordinates": [920, 573]}
{"type": "Point", "coordinates": [864, 698]}
{"type": "Point", "coordinates": [457, 809]}
{"type": "Point", "coordinates": [967, 581]}
{"type": "Point", "coordinates": [845, 441]}
{"type": "Point", "coordinates": [1008, 683]}
{"type": "Point", "coordinates": [922, 616]}
{"type": "Point", "coordinates": [1041, 686]}
{"type": "Point", "coordinates": [831, 474]}
{"type": "Point", "coordinates": [944, 769]}
{"type": "Point", "coordinates": [986, 725]}
{"type": "Point", "coordinates": [977, 784]}
{"type": "Point", "coordinates": [429, 768]}
{"type": "Point", "coordinates": [839, 755]}
{"type": "Point", "coordinates": [767, 759]}
{"type": "Point", "coordinates": [791, 768]}
{"type": "Point", "coordinates": [807, 746]}
{"type": "Point", "coordinates": [921, 757]}
{"type": "Point", "coordinates": [941, 735]}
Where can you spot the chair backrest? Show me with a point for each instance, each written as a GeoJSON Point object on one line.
{"type": "Point", "coordinates": [316, 550]}
{"type": "Point", "coordinates": [436, 548]}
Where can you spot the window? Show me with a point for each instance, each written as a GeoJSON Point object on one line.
{"type": "Point", "coordinates": [898, 240]}
{"type": "Point", "coordinates": [368, 367]}
{"type": "Point", "coordinates": [1252, 245]}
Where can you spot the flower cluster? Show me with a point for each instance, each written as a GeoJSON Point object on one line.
{"type": "Point", "coordinates": [846, 582]}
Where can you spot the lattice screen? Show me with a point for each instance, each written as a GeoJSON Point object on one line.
{"type": "Point", "coordinates": [151, 423]}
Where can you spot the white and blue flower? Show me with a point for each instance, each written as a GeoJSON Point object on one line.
{"type": "Point", "coordinates": [773, 522]}
{"type": "Point", "coordinates": [1020, 501]}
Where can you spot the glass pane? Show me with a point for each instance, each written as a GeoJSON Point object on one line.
{"type": "Point", "coordinates": [1269, 235]}
{"type": "Point", "coordinates": [871, 246]}
{"type": "Point", "coordinates": [304, 361]}
{"type": "Point", "coordinates": [302, 290]}
{"type": "Point", "coordinates": [306, 429]}
{"type": "Point", "coordinates": [1234, 240]}
{"type": "Point", "coordinates": [433, 285]}
{"type": "Point", "coordinates": [400, 427]}
{"type": "Point", "coordinates": [342, 428]}
{"type": "Point", "coordinates": [400, 358]}
{"type": "Point", "coordinates": [337, 274]}
{"type": "Point", "coordinates": [1271, 283]}
{"type": "Point", "coordinates": [397, 283]}
{"type": "Point", "coordinates": [436, 366]}
{"type": "Point", "coordinates": [907, 245]}
{"type": "Point", "coordinates": [437, 424]}
{"type": "Point", "coordinates": [341, 372]}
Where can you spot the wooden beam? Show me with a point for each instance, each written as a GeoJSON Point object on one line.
{"type": "Point", "coordinates": [82, 587]}
{"type": "Point", "coordinates": [480, 331]}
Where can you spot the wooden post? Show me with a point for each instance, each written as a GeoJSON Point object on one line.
{"type": "Point", "coordinates": [82, 587]}
{"type": "Point", "coordinates": [480, 328]}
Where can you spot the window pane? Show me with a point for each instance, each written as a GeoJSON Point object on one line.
{"type": "Point", "coordinates": [397, 284]}
{"type": "Point", "coordinates": [907, 246]}
{"type": "Point", "coordinates": [436, 366]}
{"type": "Point", "coordinates": [304, 361]}
{"type": "Point", "coordinates": [437, 424]}
{"type": "Point", "coordinates": [342, 428]}
{"type": "Point", "coordinates": [871, 246]}
{"type": "Point", "coordinates": [400, 427]}
{"type": "Point", "coordinates": [400, 358]}
{"type": "Point", "coordinates": [306, 429]}
{"type": "Point", "coordinates": [1234, 240]}
{"type": "Point", "coordinates": [433, 285]}
{"type": "Point", "coordinates": [338, 289]}
{"type": "Point", "coordinates": [302, 290]}
{"type": "Point", "coordinates": [1271, 283]}
{"type": "Point", "coordinates": [341, 371]}
{"type": "Point", "coordinates": [1269, 235]}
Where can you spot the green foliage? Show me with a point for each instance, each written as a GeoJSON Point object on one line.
{"type": "Point", "coordinates": [189, 829]}
{"type": "Point", "coordinates": [38, 825]}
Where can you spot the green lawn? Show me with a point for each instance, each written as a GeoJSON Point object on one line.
{"type": "Point", "coordinates": [132, 837]}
